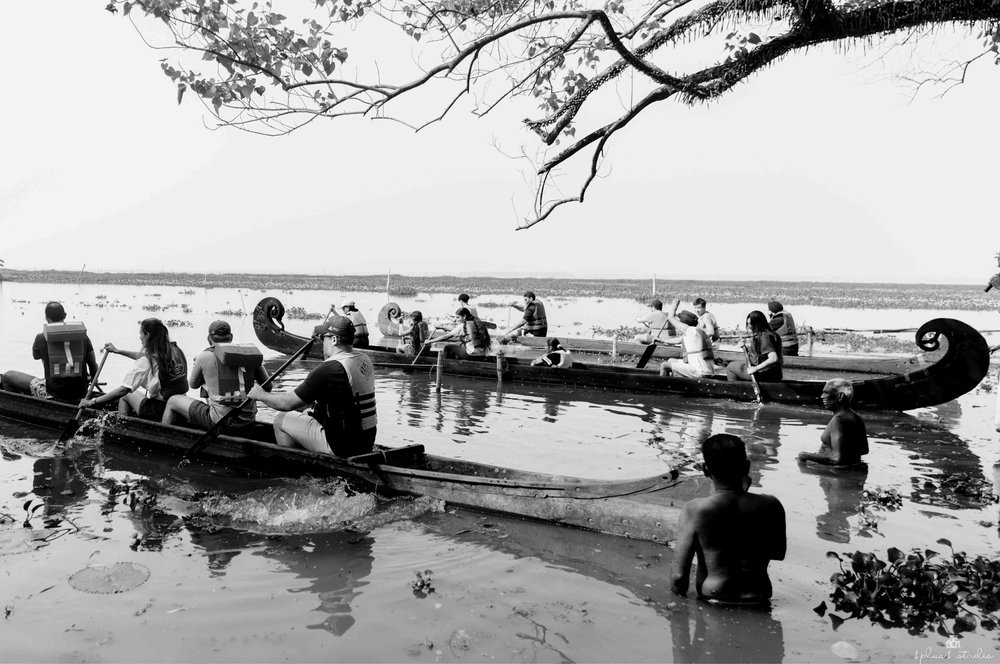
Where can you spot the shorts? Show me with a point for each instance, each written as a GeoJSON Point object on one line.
{"type": "Point", "coordinates": [152, 409]}
{"type": "Point", "coordinates": [304, 430]}
{"type": "Point", "coordinates": [38, 388]}
{"type": "Point", "coordinates": [200, 415]}
{"type": "Point", "coordinates": [685, 370]}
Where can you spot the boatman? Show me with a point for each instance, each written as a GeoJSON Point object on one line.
{"type": "Point", "coordinates": [845, 440]}
{"type": "Point", "coordinates": [784, 325]}
{"type": "Point", "coordinates": [225, 371]}
{"type": "Point", "coordinates": [698, 360]}
{"type": "Point", "coordinates": [534, 321]}
{"type": "Point", "coordinates": [350, 311]}
{"type": "Point", "coordinates": [733, 533]}
{"type": "Point", "coordinates": [341, 392]}
{"type": "Point", "coordinates": [67, 356]}
{"type": "Point", "coordinates": [706, 320]}
{"type": "Point", "coordinates": [657, 324]}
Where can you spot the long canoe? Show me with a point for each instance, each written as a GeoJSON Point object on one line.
{"type": "Point", "coordinates": [958, 370]}
{"type": "Point", "coordinates": [853, 363]}
{"type": "Point", "coordinates": [645, 508]}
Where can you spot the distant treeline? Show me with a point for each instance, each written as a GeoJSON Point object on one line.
{"type": "Point", "coordinates": [830, 294]}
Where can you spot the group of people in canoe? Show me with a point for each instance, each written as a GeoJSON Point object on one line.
{"type": "Point", "coordinates": [732, 533]}
{"type": "Point", "coordinates": [339, 394]}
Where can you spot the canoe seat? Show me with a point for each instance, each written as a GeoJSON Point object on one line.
{"type": "Point", "coordinates": [407, 455]}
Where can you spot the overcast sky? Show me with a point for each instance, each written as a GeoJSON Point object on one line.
{"type": "Point", "coordinates": [822, 167]}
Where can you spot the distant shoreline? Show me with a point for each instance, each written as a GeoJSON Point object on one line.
{"type": "Point", "coordinates": [790, 293]}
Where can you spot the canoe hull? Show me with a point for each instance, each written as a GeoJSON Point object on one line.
{"type": "Point", "coordinates": [645, 508]}
{"type": "Point", "coordinates": [958, 370]}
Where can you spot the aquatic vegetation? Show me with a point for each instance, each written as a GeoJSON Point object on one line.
{"type": "Point", "coordinates": [113, 579]}
{"type": "Point", "coordinates": [230, 312]}
{"type": "Point", "coordinates": [423, 586]}
{"type": "Point", "coordinates": [302, 314]}
{"type": "Point", "coordinates": [880, 498]}
{"type": "Point", "coordinates": [919, 591]}
{"type": "Point", "coordinates": [955, 488]}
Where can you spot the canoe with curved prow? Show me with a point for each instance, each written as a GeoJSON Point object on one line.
{"type": "Point", "coordinates": [646, 508]}
{"type": "Point", "coordinates": [958, 370]}
{"type": "Point", "coordinates": [852, 363]}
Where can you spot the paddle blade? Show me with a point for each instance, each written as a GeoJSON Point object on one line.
{"type": "Point", "coordinates": [69, 429]}
{"type": "Point", "coordinates": [647, 355]}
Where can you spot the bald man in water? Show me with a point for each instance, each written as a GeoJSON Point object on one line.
{"type": "Point", "coordinates": [733, 533]}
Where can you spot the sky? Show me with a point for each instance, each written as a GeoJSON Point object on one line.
{"type": "Point", "coordinates": [824, 167]}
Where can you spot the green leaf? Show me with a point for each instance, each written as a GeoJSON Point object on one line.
{"type": "Point", "coordinates": [945, 542]}
{"type": "Point", "coordinates": [753, 38]}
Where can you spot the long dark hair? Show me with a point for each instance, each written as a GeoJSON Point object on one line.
{"type": "Point", "coordinates": [758, 322]}
{"type": "Point", "coordinates": [157, 347]}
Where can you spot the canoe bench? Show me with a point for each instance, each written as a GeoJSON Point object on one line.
{"type": "Point", "coordinates": [407, 455]}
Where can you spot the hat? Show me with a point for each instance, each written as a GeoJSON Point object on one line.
{"type": "Point", "coordinates": [656, 304]}
{"type": "Point", "coordinates": [220, 330]}
{"type": "Point", "coordinates": [774, 306]}
{"type": "Point", "coordinates": [339, 326]}
{"type": "Point", "coordinates": [687, 318]}
{"type": "Point", "coordinates": [347, 303]}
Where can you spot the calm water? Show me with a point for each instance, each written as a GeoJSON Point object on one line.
{"type": "Point", "coordinates": [257, 569]}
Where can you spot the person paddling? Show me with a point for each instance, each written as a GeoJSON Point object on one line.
{"type": "Point", "coordinates": [534, 321]}
{"type": "Point", "coordinates": [472, 337]}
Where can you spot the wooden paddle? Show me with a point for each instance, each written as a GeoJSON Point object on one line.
{"type": "Point", "coordinates": [651, 348]}
{"type": "Point", "coordinates": [70, 428]}
{"type": "Point", "coordinates": [217, 428]}
{"type": "Point", "coordinates": [753, 378]}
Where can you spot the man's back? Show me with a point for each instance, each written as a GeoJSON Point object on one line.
{"type": "Point", "coordinates": [734, 535]}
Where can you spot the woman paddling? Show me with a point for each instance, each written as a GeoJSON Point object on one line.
{"type": "Point", "coordinates": [765, 353]}
{"type": "Point", "coordinates": [160, 369]}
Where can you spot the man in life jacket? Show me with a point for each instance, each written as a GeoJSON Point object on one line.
{"type": "Point", "coordinates": [534, 321]}
{"type": "Point", "coordinates": [784, 326]}
{"type": "Point", "coordinates": [350, 311]}
{"type": "Point", "coordinates": [697, 347]}
{"type": "Point", "coordinates": [472, 337]}
{"type": "Point", "coordinates": [225, 372]}
{"type": "Point", "coordinates": [67, 356]}
{"type": "Point", "coordinates": [341, 392]}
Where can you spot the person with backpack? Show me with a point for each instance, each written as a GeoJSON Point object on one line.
{"type": "Point", "coordinates": [413, 333]}
{"type": "Point", "coordinates": [473, 339]}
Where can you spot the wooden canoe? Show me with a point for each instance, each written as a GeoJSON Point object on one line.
{"type": "Point", "coordinates": [854, 363]}
{"type": "Point", "coordinates": [646, 508]}
{"type": "Point", "coordinates": [957, 371]}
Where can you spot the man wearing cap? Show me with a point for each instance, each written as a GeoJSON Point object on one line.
{"type": "Point", "coordinates": [223, 382]}
{"type": "Point", "coordinates": [341, 392]}
{"type": "Point", "coordinates": [656, 322]}
{"type": "Point", "coordinates": [357, 319]}
{"type": "Point", "coordinates": [784, 326]}
{"type": "Point", "coordinates": [697, 347]}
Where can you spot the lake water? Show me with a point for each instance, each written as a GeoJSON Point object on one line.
{"type": "Point", "coordinates": [257, 569]}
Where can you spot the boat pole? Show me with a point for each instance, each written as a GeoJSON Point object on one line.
{"type": "Point", "coordinates": [500, 366]}
{"type": "Point", "coordinates": [440, 368]}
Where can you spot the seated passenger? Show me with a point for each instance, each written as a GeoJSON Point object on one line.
{"type": "Point", "coordinates": [698, 360]}
{"type": "Point", "coordinates": [533, 322]}
{"type": "Point", "coordinates": [463, 301]}
{"type": "Point", "coordinates": [350, 311]}
{"type": "Point", "coordinates": [472, 336]}
{"type": "Point", "coordinates": [225, 371]}
{"type": "Point", "coordinates": [784, 326]}
{"type": "Point", "coordinates": [413, 333]}
{"type": "Point", "coordinates": [845, 439]}
{"type": "Point", "coordinates": [764, 348]}
{"type": "Point", "coordinates": [733, 533]}
{"type": "Point", "coordinates": [557, 356]}
{"type": "Point", "coordinates": [657, 324]}
{"type": "Point", "coordinates": [341, 392]}
{"type": "Point", "coordinates": [67, 356]}
{"type": "Point", "coordinates": [160, 370]}
{"type": "Point", "coordinates": [706, 320]}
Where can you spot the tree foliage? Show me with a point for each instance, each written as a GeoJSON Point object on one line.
{"type": "Point", "coordinates": [261, 70]}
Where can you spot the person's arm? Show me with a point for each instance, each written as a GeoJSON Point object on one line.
{"type": "Point", "coordinates": [517, 306]}
{"type": "Point", "coordinates": [778, 541]}
{"type": "Point", "coordinates": [838, 444]}
{"type": "Point", "coordinates": [776, 321]}
{"type": "Point", "coordinates": [515, 328]}
{"type": "Point", "coordinates": [91, 362]}
{"type": "Point", "coordinates": [564, 361]}
{"type": "Point", "coordinates": [684, 551]}
{"type": "Point", "coordinates": [456, 333]}
{"type": "Point", "coordinates": [772, 358]}
{"type": "Point", "coordinates": [37, 346]}
{"type": "Point", "coordinates": [113, 395]}
{"type": "Point", "coordinates": [131, 354]}
{"type": "Point", "coordinates": [708, 325]}
{"type": "Point", "coordinates": [197, 376]}
{"type": "Point", "coordinates": [260, 375]}
{"type": "Point", "coordinates": [282, 401]}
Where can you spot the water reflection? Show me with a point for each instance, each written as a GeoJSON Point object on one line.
{"type": "Point", "coordinates": [703, 632]}
{"type": "Point", "coordinates": [844, 490]}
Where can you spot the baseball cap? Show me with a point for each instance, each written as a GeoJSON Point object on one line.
{"type": "Point", "coordinates": [339, 326]}
{"type": "Point", "coordinates": [347, 303]}
{"type": "Point", "coordinates": [220, 330]}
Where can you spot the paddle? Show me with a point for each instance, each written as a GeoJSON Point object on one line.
{"type": "Point", "coordinates": [651, 348]}
{"type": "Point", "coordinates": [217, 428]}
{"type": "Point", "coordinates": [753, 378]}
{"type": "Point", "coordinates": [70, 428]}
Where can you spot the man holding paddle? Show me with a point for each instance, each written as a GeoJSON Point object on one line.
{"type": "Point", "coordinates": [341, 392]}
{"type": "Point", "coordinates": [656, 323]}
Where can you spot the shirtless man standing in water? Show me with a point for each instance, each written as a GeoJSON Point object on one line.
{"type": "Point", "coordinates": [845, 439]}
{"type": "Point", "coordinates": [733, 533]}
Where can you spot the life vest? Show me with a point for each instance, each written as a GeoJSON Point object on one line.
{"type": "Point", "coordinates": [478, 334]}
{"type": "Point", "coordinates": [705, 351]}
{"type": "Point", "coordinates": [67, 348]}
{"type": "Point", "coordinates": [418, 335]}
{"type": "Point", "coordinates": [361, 375]}
{"type": "Point", "coordinates": [173, 373]}
{"type": "Point", "coordinates": [360, 324]}
{"type": "Point", "coordinates": [236, 365]}
{"type": "Point", "coordinates": [787, 332]}
{"type": "Point", "coordinates": [538, 322]}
